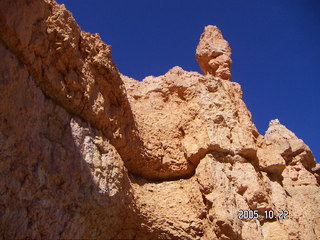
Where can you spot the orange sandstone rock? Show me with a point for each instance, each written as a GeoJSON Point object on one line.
{"type": "Point", "coordinates": [214, 53]}
{"type": "Point", "coordinates": [86, 152]}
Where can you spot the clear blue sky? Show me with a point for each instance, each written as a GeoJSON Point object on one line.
{"type": "Point", "coordinates": [275, 49]}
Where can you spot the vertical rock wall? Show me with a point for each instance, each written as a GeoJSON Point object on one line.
{"type": "Point", "coordinates": [86, 152]}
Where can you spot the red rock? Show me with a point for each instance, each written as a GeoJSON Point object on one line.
{"type": "Point", "coordinates": [86, 152]}
{"type": "Point", "coordinates": [214, 53]}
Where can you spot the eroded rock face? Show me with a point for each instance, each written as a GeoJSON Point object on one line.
{"type": "Point", "coordinates": [83, 147]}
{"type": "Point", "coordinates": [72, 67]}
{"type": "Point", "coordinates": [181, 116]}
{"type": "Point", "coordinates": [54, 166]}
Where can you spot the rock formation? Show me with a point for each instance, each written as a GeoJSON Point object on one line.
{"type": "Point", "coordinates": [214, 53]}
{"type": "Point", "coordinates": [86, 152]}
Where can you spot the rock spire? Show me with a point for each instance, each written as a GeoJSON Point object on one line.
{"type": "Point", "coordinates": [214, 53]}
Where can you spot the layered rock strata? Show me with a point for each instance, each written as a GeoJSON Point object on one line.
{"type": "Point", "coordinates": [86, 152]}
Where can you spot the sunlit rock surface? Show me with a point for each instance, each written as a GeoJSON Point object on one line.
{"type": "Point", "coordinates": [86, 152]}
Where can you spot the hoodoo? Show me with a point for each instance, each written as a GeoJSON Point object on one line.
{"type": "Point", "coordinates": [214, 53]}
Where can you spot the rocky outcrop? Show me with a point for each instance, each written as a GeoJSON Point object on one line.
{"type": "Point", "coordinates": [281, 147]}
{"type": "Point", "coordinates": [188, 116]}
{"type": "Point", "coordinates": [71, 67]}
{"type": "Point", "coordinates": [86, 152]}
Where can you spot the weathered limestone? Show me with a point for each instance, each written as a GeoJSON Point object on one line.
{"type": "Point", "coordinates": [86, 152]}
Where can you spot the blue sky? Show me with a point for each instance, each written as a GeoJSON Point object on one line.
{"type": "Point", "coordinates": [275, 49]}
